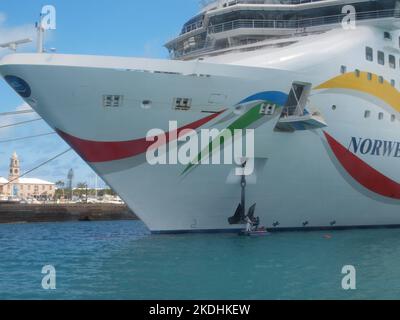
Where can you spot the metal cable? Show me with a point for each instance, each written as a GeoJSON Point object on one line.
{"type": "Point", "coordinates": [28, 137]}
{"type": "Point", "coordinates": [17, 112]}
{"type": "Point", "coordinates": [20, 123]}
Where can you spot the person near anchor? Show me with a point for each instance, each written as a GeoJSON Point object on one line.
{"type": "Point", "coordinates": [249, 225]}
{"type": "Point", "coordinates": [256, 223]}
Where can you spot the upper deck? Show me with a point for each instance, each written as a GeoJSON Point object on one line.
{"type": "Point", "coordinates": [226, 25]}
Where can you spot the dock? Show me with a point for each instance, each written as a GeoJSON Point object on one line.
{"type": "Point", "coordinates": [39, 213]}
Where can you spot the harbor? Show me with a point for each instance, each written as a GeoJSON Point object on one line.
{"type": "Point", "coordinates": [69, 212]}
{"type": "Point", "coordinates": [34, 200]}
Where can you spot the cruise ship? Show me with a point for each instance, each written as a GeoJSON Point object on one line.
{"type": "Point", "coordinates": [317, 82]}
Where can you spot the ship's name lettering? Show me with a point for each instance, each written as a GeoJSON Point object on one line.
{"type": "Point", "coordinates": [375, 147]}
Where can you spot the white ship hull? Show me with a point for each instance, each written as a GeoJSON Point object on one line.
{"type": "Point", "coordinates": [302, 179]}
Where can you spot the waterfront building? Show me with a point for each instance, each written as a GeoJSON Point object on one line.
{"type": "Point", "coordinates": [25, 188]}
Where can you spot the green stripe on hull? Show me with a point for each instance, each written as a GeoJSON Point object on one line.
{"type": "Point", "coordinates": [243, 122]}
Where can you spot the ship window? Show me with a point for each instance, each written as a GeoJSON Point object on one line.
{"type": "Point", "coordinates": [182, 104]}
{"type": "Point", "coordinates": [392, 61]}
{"type": "Point", "coordinates": [387, 35]}
{"type": "Point", "coordinates": [369, 54]}
{"type": "Point", "coordinates": [369, 75]}
{"type": "Point", "coordinates": [334, 107]}
{"type": "Point", "coordinates": [380, 79]}
{"type": "Point", "coordinates": [343, 69]}
{"type": "Point", "coordinates": [367, 114]}
{"type": "Point", "coordinates": [393, 118]}
{"type": "Point", "coordinates": [112, 101]}
{"type": "Point", "coordinates": [381, 58]}
{"type": "Point", "coordinates": [380, 116]}
{"type": "Point", "coordinates": [357, 73]}
{"type": "Point", "coordinates": [393, 83]}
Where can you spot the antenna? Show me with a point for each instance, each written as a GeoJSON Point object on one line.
{"type": "Point", "coordinates": [47, 21]}
{"type": "Point", "coordinates": [13, 45]}
{"type": "Point", "coordinates": [40, 35]}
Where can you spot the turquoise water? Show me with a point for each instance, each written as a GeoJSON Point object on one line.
{"type": "Point", "coordinates": [121, 260]}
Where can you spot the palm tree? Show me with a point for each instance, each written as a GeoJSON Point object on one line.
{"type": "Point", "coordinates": [61, 185]}
{"type": "Point", "coordinates": [83, 186]}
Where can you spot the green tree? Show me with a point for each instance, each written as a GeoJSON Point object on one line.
{"type": "Point", "coordinates": [60, 189]}
{"type": "Point", "coordinates": [82, 189]}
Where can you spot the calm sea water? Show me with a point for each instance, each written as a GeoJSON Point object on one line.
{"type": "Point", "coordinates": [121, 260]}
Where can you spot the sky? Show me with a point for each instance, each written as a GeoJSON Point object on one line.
{"type": "Point", "coordinates": [100, 27]}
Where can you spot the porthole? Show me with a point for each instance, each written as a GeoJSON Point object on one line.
{"type": "Point", "coordinates": [367, 114]}
{"type": "Point", "coordinates": [146, 104]}
{"type": "Point", "coordinates": [334, 107]}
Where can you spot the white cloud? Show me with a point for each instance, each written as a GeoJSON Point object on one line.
{"type": "Point", "coordinates": [11, 119]}
{"type": "Point", "coordinates": [3, 18]}
{"type": "Point", "coordinates": [23, 106]}
{"type": "Point", "coordinates": [8, 34]}
{"type": "Point", "coordinates": [154, 48]}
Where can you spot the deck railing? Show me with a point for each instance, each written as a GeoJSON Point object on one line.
{"type": "Point", "coordinates": [233, 2]}
{"type": "Point", "coordinates": [300, 23]}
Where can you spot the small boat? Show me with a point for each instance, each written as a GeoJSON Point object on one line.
{"type": "Point", "coordinates": [85, 219]}
{"type": "Point", "coordinates": [254, 233]}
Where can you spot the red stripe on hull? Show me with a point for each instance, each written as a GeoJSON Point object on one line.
{"type": "Point", "coordinates": [97, 151]}
{"type": "Point", "coordinates": [363, 173]}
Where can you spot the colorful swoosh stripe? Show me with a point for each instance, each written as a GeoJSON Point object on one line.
{"type": "Point", "coordinates": [362, 172]}
{"type": "Point", "coordinates": [253, 115]}
{"type": "Point", "coordinates": [243, 122]}
{"type": "Point", "coordinates": [383, 91]}
{"type": "Point", "coordinates": [98, 151]}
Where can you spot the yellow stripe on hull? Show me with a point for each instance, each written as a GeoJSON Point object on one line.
{"type": "Point", "coordinates": [384, 91]}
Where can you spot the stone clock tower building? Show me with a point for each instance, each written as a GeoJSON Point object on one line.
{"type": "Point", "coordinates": [24, 188]}
{"type": "Point", "coordinates": [14, 168]}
